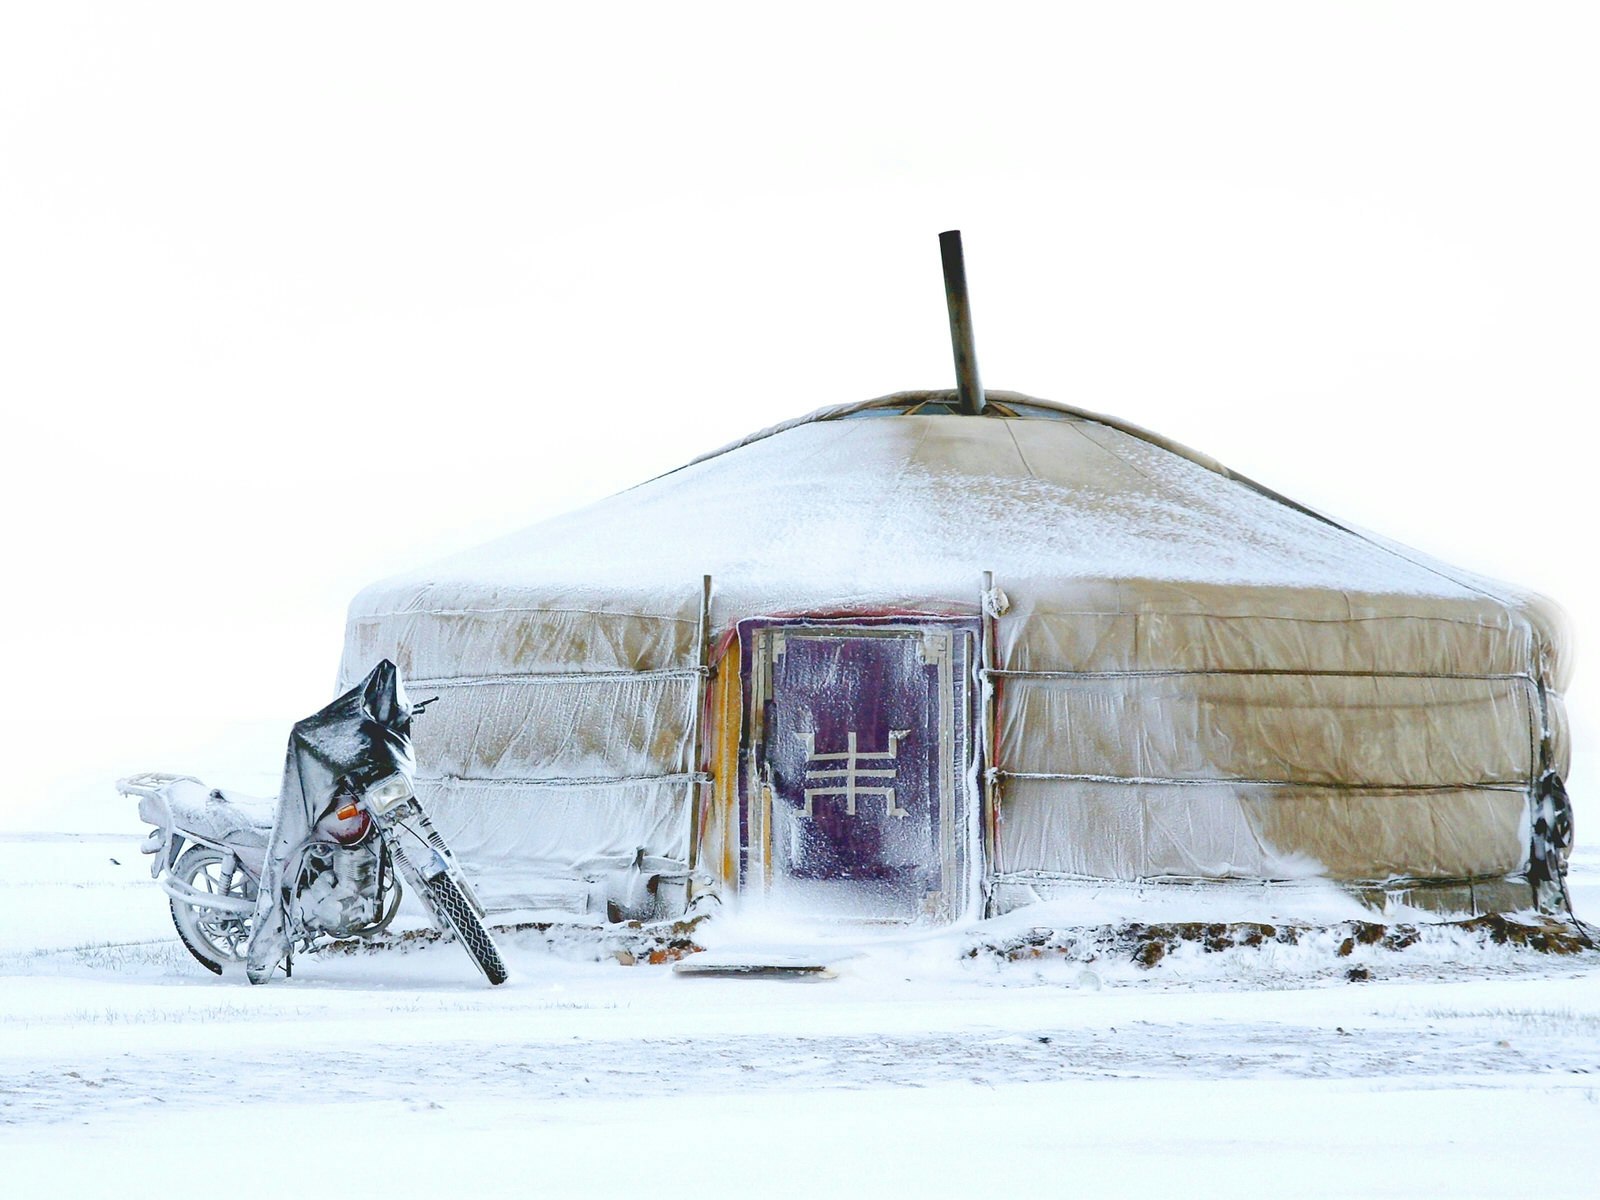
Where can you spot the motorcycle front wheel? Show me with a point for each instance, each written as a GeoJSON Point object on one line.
{"type": "Point", "coordinates": [447, 902]}
{"type": "Point", "coordinates": [216, 939]}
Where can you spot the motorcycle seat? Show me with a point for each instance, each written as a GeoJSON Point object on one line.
{"type": "Point", "coordinates": [232, 818]}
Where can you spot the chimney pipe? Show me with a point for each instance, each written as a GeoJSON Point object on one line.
{"type": "Point", "coordinates": [969, 390]}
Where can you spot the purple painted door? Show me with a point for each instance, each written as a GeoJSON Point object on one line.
{"type": "Point", "coordinates": [858, 756]}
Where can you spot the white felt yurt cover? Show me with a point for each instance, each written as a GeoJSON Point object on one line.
{"type": "Point", "coordinates": [1201, 679]}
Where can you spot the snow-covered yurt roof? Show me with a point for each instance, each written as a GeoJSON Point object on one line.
{"type": "Point", "coordinates": [902, 502]}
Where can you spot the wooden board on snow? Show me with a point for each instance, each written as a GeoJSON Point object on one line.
{"type": "Point", "coordinates": [723, 968]}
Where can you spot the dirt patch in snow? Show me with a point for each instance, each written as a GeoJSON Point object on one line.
{"type": "Point", "coordinates": [1146, 945]}
{"type": "Point", "coordinates": [628, 943]}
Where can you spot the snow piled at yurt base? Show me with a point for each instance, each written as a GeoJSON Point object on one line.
{"type": "Point", "coordinates": [1175, 677]}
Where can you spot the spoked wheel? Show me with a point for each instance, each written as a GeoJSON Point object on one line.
{"type": "Point", "coordinates": [216, 939]}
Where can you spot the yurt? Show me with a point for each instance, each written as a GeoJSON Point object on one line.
{"type": "Point", "coordinates": [943, 653]}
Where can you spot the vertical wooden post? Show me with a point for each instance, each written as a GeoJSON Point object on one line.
{"type": "Point", "coordinates": [698, 780]}
{"type": "Point", "coordinates": [988, 767]}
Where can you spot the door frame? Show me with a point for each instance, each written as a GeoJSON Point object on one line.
{"type": "Point", "coordinates": [948, 643]}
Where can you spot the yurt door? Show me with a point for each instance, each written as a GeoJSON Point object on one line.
{"type": "Point", "coordinates": [857, 775]}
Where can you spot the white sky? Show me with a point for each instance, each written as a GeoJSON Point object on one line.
{"type": "Point", "coordinates": [297, 296]}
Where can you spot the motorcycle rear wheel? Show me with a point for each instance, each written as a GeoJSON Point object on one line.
{"type": "Point", "coordinates": [216, 939]}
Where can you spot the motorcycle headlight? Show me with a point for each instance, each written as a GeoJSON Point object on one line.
{"type": "Point", "coordinates": [388, 793]}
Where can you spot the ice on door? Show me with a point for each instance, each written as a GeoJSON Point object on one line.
{"type": "Point", "coordinates": [859, 762]}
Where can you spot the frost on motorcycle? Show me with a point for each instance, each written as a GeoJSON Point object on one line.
{"type": "Point", "coordinates": [250, 880]}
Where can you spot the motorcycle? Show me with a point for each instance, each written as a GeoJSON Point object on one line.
{"type": "Point", "coordinates": [250, 879]}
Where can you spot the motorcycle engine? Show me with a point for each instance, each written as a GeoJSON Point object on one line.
{"type": "Point", "coordinates": [337, 888]}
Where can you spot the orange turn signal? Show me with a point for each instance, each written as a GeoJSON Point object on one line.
{"type": "Point", "coordinates": [348, 812]}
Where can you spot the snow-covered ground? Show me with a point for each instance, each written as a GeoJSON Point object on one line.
{"type": "Point", "coordinates": [126, 1070]}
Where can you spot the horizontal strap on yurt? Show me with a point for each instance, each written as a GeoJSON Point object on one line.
{"type": "Point", "coordinates": [677, 777]}
{"type": "Point", "coordinates": [1165, 672]}
{"type": "Point", "coordinates": [541, 677]}
{"type": "Point", "coordinates": [1233, 882]}
{"type": "Point", "coordinates": [1488, 785]}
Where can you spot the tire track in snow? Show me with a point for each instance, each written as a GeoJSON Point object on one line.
{"type": "Point", "coordinates": [544, 1071]}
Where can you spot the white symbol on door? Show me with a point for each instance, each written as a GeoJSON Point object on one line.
{"type": "Point", "coordinates": [845, 779]}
